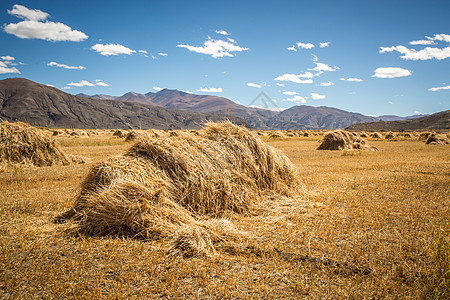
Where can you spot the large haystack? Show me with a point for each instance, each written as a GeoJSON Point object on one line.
{"type": "Point", "coordinates": [436, 140]}
{"type": "Point", "coordinates": [174, 187]}
{"type": "Point", "coordinates": [23, 144]}
{"type": "Point", "coordinates": [341, 139]}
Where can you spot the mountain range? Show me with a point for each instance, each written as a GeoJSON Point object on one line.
{"type": "Point", "coordinates": [42, 105]}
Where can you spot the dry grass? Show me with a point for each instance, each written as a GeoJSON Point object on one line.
{"type": "Point", "coordinates": [388, 210]}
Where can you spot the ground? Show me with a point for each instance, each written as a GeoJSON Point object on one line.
{"type": "Point", "coordinates": [387, 210]}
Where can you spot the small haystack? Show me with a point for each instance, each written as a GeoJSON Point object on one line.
{"type": "Point", "coordinates": [175, 187]}
{"type": "Point", "coordinates": [376, 135]}
{"type": "Point", "coordinates": [24, 144]}
{"type": "Point", "coordinates": [119, 133]}
{"type": "Point", "coordinates": [424, 136]}
{"type": "Point", "coordinates": [57, 132]}
{"type": "Point", "coordinates": [389, 136]}
{"type": "Point", "coordinates": [435, 140]}
{"type": "Point", "coordinates": [341, 139]}
{"type": "Point", "coordinates": [132, 136]}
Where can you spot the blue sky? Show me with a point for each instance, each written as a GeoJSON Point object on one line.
{"type": "Point", "coordinates": [372, 57]}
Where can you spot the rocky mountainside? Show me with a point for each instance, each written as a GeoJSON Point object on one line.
{"type": "Point", "coordinates": [41, 105]}
{"type": "Point", "coordinates": [437, 121]}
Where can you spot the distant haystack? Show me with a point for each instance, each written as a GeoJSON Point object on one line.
{"type": "Point", "coordinates": [276, 135]}
{"type": "Point", "coordinates": [175, 186]}
{"type": "Point", "coordinates": [424, 136]}
{"type": "Point", "coordinates": [389, 136]}
{"type": "Point", "coordinates": [341, 139]}
{"type": "Point", "coordinates": [119, 133]}
{"type": "Point", "coordinates": [57, 132]}
{"type": "Point", "coordinates": [23, 144]}
{"type": "Point", "coordinates": [435, 140]}
{"type": "Point", "coordinates": [376, 135]}
{"type": "Point", "coordinates": [132, 136]}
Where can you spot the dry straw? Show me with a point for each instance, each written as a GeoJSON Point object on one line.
{"type": "Point", "coordinates": [175, 187]}
{"type": "Point", "coordinates": [23, 144]}
{"type": "Point", "coordinates": [341, 139]}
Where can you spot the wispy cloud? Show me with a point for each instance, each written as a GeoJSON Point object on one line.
{"type": "Point", "coordinates": [321, 67]}
{"type": "Point", "coordinates": [316, 96]}
{"type": "Point", "coordinates": [352, 79]}
{"type": "Point", "coordinates": [296, 99]}
{"type": "Point", "coordinates": [251, 84]}
{"type": "Point", "coordinates": [223, 32]}
{"type": "Point", "coordinates": [292, 48]}
{"type": "Point", "coordinates": [210, 90]}
{"type": "Point", "coordinates": [323, 45]}
{"type": "Point", "coordinates": [36, 26]}
{"type": "Point", "coordinates": [112, 49]}
{"type": "Point", "coordinates": [7, 58]}
{"type": "Point", "coordinates": [215, 48]}
{"type": "Point", "coordinates": [87, 83]}
{"type": "Point", "coordinates": [163, 54]}
{"type": "Point", "coordinates": [301, 45]}
{"type": "Point", "coordinates": [5, 69]}
{"type": "Point", "coordinates": [329, 83]}
{"type": "Point", "coordinates": [290, 93]}
{"type": "Point", "coordinates": [423, 54]}
{"type": "Point", "coordinates": [157, 88]}
{"type": "Point", "coordinates": [55, 64]}
{"type": "Point", "coordinates": [294, 78]}
{"type": "Point", "coordinates": [434, 89]}
{"type": "Point", "coordinates": [391, 72]}
{"type": "Point", "coordinates": [279, 84]}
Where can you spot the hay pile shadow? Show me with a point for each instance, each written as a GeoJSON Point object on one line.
{"type": "Point", "coordinates": [341, 139]}
{"type": "Point", "coordinates": [178, 188]}
{"type": "Point", "coordinates": [24, 144]}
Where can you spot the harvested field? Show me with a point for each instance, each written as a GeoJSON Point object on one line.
{"type": "Point", "coordinates": [386, 210]}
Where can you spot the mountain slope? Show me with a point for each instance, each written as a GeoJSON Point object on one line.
{"type": "Point", "coordinates": [41, 105]}
{"type": "Point", "coordinates": [321, 117]}
{"type": "Point", "coordinates": [437, 121]}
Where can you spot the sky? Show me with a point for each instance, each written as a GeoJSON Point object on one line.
{"type": "Point", "coordinates": [372, 57]}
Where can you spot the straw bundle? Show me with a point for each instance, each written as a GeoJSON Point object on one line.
{"type": "Point", "coordinates": [435, 140]}
{"type": "Point", "coordinates": [173, 187]}
{"type": "Point", "coordinates": [341, 139]}
{"type": "Point", "coordinates": [21, 143]}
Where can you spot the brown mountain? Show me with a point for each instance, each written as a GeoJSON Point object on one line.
{"type": "Point", "coordinates": [437, 121]}
{"type": "Point", "coordinates": [41, 105]}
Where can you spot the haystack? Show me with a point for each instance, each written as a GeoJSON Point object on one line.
{"type": "Point", "coordinates": [119, 133]}
{"type": "Point", "coordinates": [424, 136]}
{"type": "Point", "coordinates": [132, 136]}
{"type": "Point", "coordinates": [341, 139]}
{"type": "Point", "coordinates": [389, 136]}
{"type": "Point", "coordinates": [23, 144]}
{"type": "Point", "coordinates": [376, 135]}
{"type": "Point", "coordinates": [435, 140]}
{"type": "Point", "coordinates": [175, 187]}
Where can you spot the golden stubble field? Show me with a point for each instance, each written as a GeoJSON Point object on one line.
{"type": "Point", "coordinates": [387, 210]}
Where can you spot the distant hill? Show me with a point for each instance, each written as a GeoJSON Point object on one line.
{"type": "Point", "coordinates": [397, 118]}
{"type": "Point", "coordinates": [297, 117]}
{"type": "Point", "coordinates": [437, 121]}
{"type": "Point", "coordinates": [41, 105]}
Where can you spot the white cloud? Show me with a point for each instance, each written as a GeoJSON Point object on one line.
{"type": "Point", "coordinates": [251, 84]}
{"type": "Point", "coordinates": [434, 89]}
{"type": "Point", "coordinates": [329, 83]}
{"type": "Point", "coordinates": [391, 72]}
{"type": "Point", "coordinates": [263, 107]}
{"type": "Point", "coordinates": [296, 99]}
{"type": "Point", "coordinates": [292, 48]}
{"type": "Point", "coordinates": [67, 88]}
{"type": "Point", "coordinates": [163, 54]}
{"type": "Point", "coordinates": [35, 26]}
{"type": "Point", "coordinates": [157, 88]}
{"type": "Point", "coordinates": [4, 69]}
{"type": "Point", "coordinates": [65, 66]}
{"type": "Point", "coordinates": [8, 58]}
{"type": "Point", "coordinates": [50, 85]}
{"type": "Point", "coordinates": [22, 12]}
{"type": "Point", "coordinates": [112, 49]}
{"type": "Point", "coordinates": [416, 112]}
{"type": "Point", "coordinates": [305, 45]}
{"type": "Point", "coordinates": [279, 84]}
{"type": "Point", "coordinates": [210, 90]}
{"type": "Point", "coordinates": [87, 83]}
{"type": "Point", "coordinates": [187, 92]}
{"type": "Point", "coordinates": [323, 45]}
{"type": "Point", "coordinates": [315, 58]}
{"type": "Point", "coordinates": [215, 48]}
{"type": "Point", "coordinates": [423, 54]}
{"type": "Point", "coordinates": [290, 93]}
{"type": "Point", "coordinates": [293, 78]}
{"type": "Point", "coordinates": [321, 67]}
{"type": "Point", "coordinates": [423, 42]}
{"type": "Point", "coordinates": [353, 79]}
{"type": "Point", "coordinates": [143, 51]}
{"type": "Point", "coordinates": [316, 96]}
{"type": "Point", "coordinates": [223, 32]}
